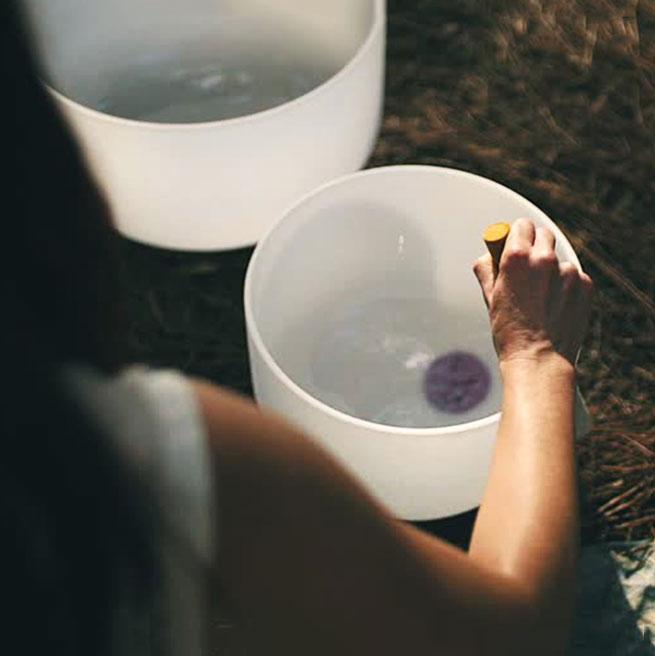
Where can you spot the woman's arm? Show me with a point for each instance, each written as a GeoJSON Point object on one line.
{"type": "Point", "coordinates": [314, 565]}
{"type": "Point", "coordinates": [527, 526]}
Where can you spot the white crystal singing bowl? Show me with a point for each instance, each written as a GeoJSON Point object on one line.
{"type": "Point", "coordinates": [217, 185]}
{"type": "Point", "coordinates": [342, 236]}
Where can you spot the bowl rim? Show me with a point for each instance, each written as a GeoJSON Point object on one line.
{"type": "Point", "coordinates": [377, 26]}
{"type": "Point", "coordinates": [254, 335]}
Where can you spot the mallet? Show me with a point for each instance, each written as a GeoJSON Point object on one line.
{"type": "Point", "coordinates": [495, 237]}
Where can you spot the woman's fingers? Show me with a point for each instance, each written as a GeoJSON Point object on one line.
{"type": "Point", "coordinates": [521, 237]}
{"type": "Point", "coordinates": [572, 307]}
{"type": "Point", "coordinates": [536, 300]}
{"type": "Point", "coordinates": [544, 241]}
{"type": "Point", "coordinates": [569, 276]}
{"type": "Point", "coordinates": [519, 244]}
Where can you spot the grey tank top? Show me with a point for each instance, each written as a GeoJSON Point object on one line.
{"type": "Point", "coordinates": [155, 421]}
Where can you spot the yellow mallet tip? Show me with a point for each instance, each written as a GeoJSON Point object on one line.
{"type": "Point", "coordinates": [496, 232]}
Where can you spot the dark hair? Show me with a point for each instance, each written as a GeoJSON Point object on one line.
{"type": "Point", "coordinates": [70, 524]}
{"type": "Point", "coordinates": [58, 266]}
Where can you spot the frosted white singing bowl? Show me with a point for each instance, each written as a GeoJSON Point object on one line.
{"type": "Point", "coordinates": [204, 119]}
{"type": "Point", "coordinates": [350, 300]}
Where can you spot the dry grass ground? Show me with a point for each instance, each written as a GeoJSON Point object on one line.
{"type": "Point", "coordinates": [557, 100]}
{"type": "Point", "coordinates": [554, 98]}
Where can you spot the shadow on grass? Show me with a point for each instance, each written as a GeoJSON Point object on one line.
{"type": "Point", "coordinates": [606, 622]}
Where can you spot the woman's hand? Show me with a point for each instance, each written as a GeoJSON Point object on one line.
{"type": "Point", "coordinates": [538, 307]}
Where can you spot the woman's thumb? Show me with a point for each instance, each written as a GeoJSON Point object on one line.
{"type": "Point", "coordinates": [484, 271]}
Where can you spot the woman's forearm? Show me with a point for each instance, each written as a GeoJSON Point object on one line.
{"type": "Point", "coordinates": [527, 526]}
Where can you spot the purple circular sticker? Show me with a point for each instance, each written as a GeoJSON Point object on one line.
{"type": "Point", "coordinates": [457, 382]}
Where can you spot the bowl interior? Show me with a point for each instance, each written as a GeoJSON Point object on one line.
{"type": "Point", "coordinates": [189, 61]}
{"type": "Point", "coordinates": [365, 284]}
